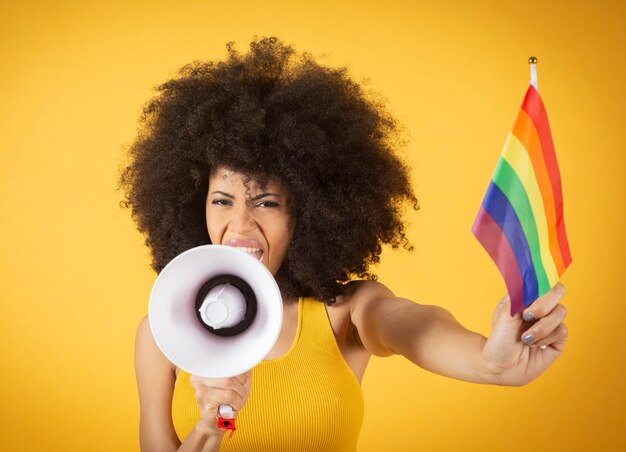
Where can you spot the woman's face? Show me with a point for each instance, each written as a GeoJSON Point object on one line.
{"type": "Point", "coordinates": [250, 217]}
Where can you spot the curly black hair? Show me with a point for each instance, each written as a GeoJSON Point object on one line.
{"type": "Point", "coordinates": [273, 114]}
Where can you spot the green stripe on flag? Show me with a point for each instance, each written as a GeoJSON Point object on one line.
{"type": "Point", "coordinates": [509, 183]}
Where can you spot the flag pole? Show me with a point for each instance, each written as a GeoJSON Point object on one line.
{"type": "Point", "coordinates": [533, 71]}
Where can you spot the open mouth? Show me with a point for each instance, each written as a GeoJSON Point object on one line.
{"type": "Point", "coordinates": [256, 252]}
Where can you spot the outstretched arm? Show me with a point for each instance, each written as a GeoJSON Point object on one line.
{"type": "Point", "coordinates": [431, 337]}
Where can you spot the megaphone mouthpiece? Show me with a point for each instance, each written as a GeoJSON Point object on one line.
{"type": "Point", "coordinates": [224, 306]}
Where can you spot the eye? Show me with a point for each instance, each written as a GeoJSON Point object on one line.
{"type": "Point", "coordinates": [222, 202]}
{"type": "Point", "coordinates": [267, 204]}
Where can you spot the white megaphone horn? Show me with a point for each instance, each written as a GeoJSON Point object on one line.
{"type": "Point", "coordinates": [215, 312]}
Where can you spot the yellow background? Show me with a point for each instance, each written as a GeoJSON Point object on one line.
{"type": "Point", "coordinates": [74, 273]}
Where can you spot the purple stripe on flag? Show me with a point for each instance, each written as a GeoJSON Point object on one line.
{"type": "Point", "coordinates": [495, 243]}
{"type": "Point", "coordinates": [500, 209]}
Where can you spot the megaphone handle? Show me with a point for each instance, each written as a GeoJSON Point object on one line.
{"type": "Point", "coordinates": [226, 419]}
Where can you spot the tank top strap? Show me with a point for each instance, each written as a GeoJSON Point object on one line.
{"type": "Point", "coordinates": [317, 332]}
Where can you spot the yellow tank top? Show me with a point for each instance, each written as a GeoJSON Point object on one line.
{"type": "Point", "coordinates": [306, 400]}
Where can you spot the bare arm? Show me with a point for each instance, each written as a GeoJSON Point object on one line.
{"type": "Point", "coordinates": [516, 352]}
{"type": "Point", "coordinates": [155, 381]}
{"type": "Point", "coordinates": [429, 336]}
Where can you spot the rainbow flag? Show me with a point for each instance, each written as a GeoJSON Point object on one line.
{"type": "Point", "coordinates": [520, 222]}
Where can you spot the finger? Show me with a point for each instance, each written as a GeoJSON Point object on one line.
{"type": "Point", "coordinates": [219, 383]}
{"type": "Point", "coordinates": [557, 337]}
{"type": "Point", "coordinates": [211, 398]}
{"type": "Point", "coordinates": [236, 387]}
{"type": "Point", "coordinates": [505, 325]}
{"type": "Point", "coordinates": [545, 326]}
{"type": "Point", "coordinates": [246, 381]}
{"type": "Point", "coordinates": [502, 312]}
{"type": "Point", "coordinates": [244, 377]}
{"type": "Point", "coordinates": [545, 304]}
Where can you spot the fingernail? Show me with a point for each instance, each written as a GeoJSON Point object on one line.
{"type": "Point", "coordinates": [528, 339]}
{"type": "Point", "coordinates": [528, 316]}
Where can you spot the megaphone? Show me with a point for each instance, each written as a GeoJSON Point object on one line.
{"type": "Point", "coordinates": [216, 312]}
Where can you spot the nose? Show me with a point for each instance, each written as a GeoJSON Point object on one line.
{"type": "Point", "coordinates": [242, 219]}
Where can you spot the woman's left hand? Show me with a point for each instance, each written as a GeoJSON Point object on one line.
{"type": "Point", "coordinates": [522, 347]}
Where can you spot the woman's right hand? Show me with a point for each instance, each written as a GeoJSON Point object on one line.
{"type": "Point", "coordinates": [213, 392]}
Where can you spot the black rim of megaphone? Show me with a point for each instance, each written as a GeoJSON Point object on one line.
{"type": "Point", "coordinates": [248, 294]}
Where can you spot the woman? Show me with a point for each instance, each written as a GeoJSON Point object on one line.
{"type": "Point", "coordinates": [295, 164]}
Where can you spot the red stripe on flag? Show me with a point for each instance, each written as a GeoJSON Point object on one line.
{"type": "Point", "coordinates": [533, 105]}
{"type": "Point", "coordinates": [497, 246]}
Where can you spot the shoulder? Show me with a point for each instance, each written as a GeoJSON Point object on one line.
{"type": "Point", "coordinates": [147, 352]}
{"type": "Point", "coordinates": [144, 341]}
{"type": "Point", "coordinates": [366, 290]}
{"type": "Point", "coordinates": [143, 330]}
{"type": "Point", "coordinates": [358, 294]}
{"type": "Point", "coordinates": [362, 301]}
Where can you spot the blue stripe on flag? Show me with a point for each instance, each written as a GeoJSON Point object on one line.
{"type": "Point", "coordinates": [501, 210]}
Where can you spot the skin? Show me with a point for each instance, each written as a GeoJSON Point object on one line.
{"type": "Point", "coordinates": [367, 320]}
{"type": "Point", "coordinates": [234, 212]}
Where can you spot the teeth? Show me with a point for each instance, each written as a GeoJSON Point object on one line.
{"type": "Point", "coordinates": [248, 250]}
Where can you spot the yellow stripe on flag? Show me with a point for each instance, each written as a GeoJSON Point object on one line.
{"type": "Point", "coordinates": [515, 154]}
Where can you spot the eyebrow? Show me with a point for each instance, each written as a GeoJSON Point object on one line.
{"type": "Point", "coordinates": [255, 198]}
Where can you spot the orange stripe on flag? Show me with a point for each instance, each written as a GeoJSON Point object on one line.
{"type": "Point", "coordinates": [525, 131]}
